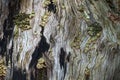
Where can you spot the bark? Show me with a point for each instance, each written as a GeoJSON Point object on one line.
{"type": "Point", "coordinates": [59, 39]}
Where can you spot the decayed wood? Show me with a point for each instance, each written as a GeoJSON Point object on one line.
{"type": "Point", "coordinates": [78, 40]}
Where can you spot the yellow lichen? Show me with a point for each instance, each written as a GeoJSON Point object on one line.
{"type": "Point", "coordinates": [44, 19]}
{"type": "Point", "coordinates": [54, 1]}
{"type": "Point", "coordinates": [3, 68]}
{"type": "Point", "coordinates": [39, 66]}
{"type": "Point", "coordinates": [42, 23]}
{"type": "Point", "coordinates": [1, 61]}
{"type": "Point", "coordinates": [94, 31]}
{"type": "Point", "coordinates": [76, 42]}
{"type": "Point", "coordinates": [16, 31]}
{"type": "Point", "coordinates": [63, 7]}
{"type": "Point", "coordinates": [87, 72]}
{"type": "Point", "coordinates": [41, 63]}
{"type": "Point", "coordinates": [31, 15]}
{"type": "Point", "coordinates": [22, 20]}
{"type": "Point", "coordinates": [46, 3]}
{"type": "Point", "coordinates": [41, 60]}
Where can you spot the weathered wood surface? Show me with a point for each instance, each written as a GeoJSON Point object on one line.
{"type": "Point", "coordinates": [60, 39]}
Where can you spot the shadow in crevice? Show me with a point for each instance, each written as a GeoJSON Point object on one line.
{"type": "Point", "coordinates": [8, 27]}
{"type": "Point", "coordinates": [62, 61]}
{"type": "Point", "coordinates": [19, 74]}
{"type": "Point", "coordinates": [62, 58]}
{"type": "Point", "coordinates": [52, 7]}
{"type": "Point", "coordinates": [42, 47]}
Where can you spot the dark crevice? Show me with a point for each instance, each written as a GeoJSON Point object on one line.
{"type": "Point", "coordinates": [110, 3]}
{"type": "Point", "coordinates": [113, 6]}
{"type": "Point", "coordinates": [87, 77]}
{"type": "Point", "coordinates": [42, 47]}
{"type": "Point", "coordinates": [32, 77]}
{"type": "Point", "coordinates": [52, 7]}
{"type": "Point", "coordinates": [68, 57]}
{"type": "Point", "coordinates": [42, 30]}
{"type": "Point", "coordinates": [62, 57]}
{"type": "Point", "coordinates": [18, 74]}
{"type": "Point", "coordinates": [65, 70]}
{"type": "Point", "coordinates": [8, 26]}
{"type": "Point", "coordinates": [41, 74]}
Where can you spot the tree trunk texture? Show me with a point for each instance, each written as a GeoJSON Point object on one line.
{"type": "Point", "coordinates": [59, 39]}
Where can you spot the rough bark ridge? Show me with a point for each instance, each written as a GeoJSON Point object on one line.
{"type": "Point", "coordinates": [59, 39]}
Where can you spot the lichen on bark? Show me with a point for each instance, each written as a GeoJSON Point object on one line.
{"type": "Point", "coordinates": [63, 40]}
